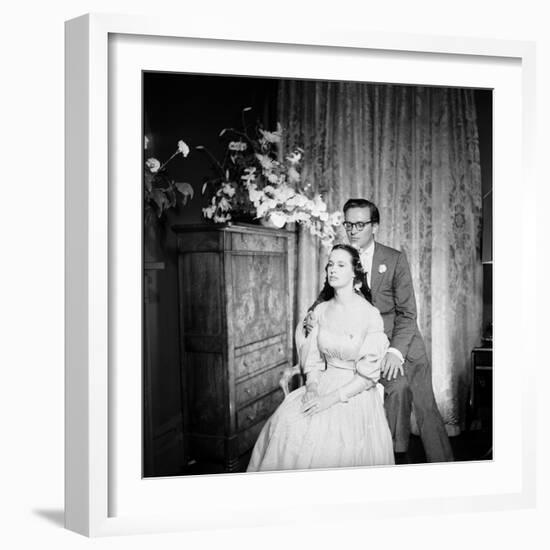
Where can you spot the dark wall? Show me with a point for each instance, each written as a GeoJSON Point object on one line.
{"type": "Point", "coordinates": [484, 110]}
{"type": "Point", "coordinates": [192, 108]}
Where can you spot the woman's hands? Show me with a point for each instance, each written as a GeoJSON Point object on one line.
{"type": "Point", "coordinates": [311, 393]}
{"type": "Point", "coordinates": [320, 403]}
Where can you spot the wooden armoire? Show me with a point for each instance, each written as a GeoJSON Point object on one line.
{"type": "Point", "coordinates": [235, 334]}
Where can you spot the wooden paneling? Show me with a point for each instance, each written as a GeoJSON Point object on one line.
{"type": "Point", "coordinates": [259, 410]}
{"type": "Point", "coordinates": [203, 241]}
{"type": "Point", "coordinates": [202, 292]}
{"type": "Point", "coordinates": [259, 298]}
{"type": "Point", "coordinates": [252, 388]}
{"type": "Point", "coordinates": [257, 243]}
{"type": "Point", "coordinates": [273, 353]}
{"type": "Point", "coordinates": [206, 390]}
{"type": "Point", "coordinates": [248, 437]}
{"type": "Point", "coordinates": [235, 326]}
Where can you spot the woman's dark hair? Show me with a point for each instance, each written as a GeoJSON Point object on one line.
{"type": "Point", "coordinates": [359, 279]}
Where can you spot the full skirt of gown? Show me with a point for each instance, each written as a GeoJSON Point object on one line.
{"type": "Point", "coordinates": [348, 434]}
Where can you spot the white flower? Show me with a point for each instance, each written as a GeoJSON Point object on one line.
{"type": "Point", "coordinates": [237, 146]}
{"type": "Point", "coordinates": [336, 218]}
{"type": "Point", "coordinates": [382, 268]}
{"type": "Point", "coordinates": [284, 194]}
{"type": "Point", "coordinates": [272, 178]}
{"type": "Point", "coordinates": [228, 189]}
{"type": "Point", "coordinates": [254, 195]}
{"type": "Point", "coordinates": [153, 165]}
{"type": "Point", "coordinates": [224, 204]}
{"type": "Point", "coordinates": [265, 161]}
{"type": "Point", "coordinates": [249, 176]}
{"type": "Point", "coordinates": [320, 203]}
{"type": "Point", "coordinates": [302, 216]}
{"type": "Point", "coordinates": [208, 212]}
{"type": "Point", "coordinates": [317, 206]}
{"type": "Point", "coordinates": [298, 200]}
{"type": "Point", "coordinates": [277, 218]}
{"type": "Point", "coordinates": [273, 137]}
{"type": "Point", "coordinates": [264, 207]}
{"type": "Point", "coordinates": [295, 156]}
{"type": "Point", "coordinates": [291, 217]}
{"type": "Point", "coordinates": [293, 175]}
{"type": "Point", "coordinates": [183, 148]}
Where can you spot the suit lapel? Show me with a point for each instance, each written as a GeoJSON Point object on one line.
{"type": "Point", "coordinates": [376, 276]}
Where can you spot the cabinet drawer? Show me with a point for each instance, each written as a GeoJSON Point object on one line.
{"type": "Point", "coordinates": [260, 359]}
{"type": "Point", "coordinates": [259, 385]}
{"type": "Point", "coordinates": [259, 410]}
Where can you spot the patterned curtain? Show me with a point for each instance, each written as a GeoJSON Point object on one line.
{"type": "Point", "coordinates": [414, 152]}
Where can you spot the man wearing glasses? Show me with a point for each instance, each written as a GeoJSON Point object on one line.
{"type": "Point", "coordinates": [406, 371]}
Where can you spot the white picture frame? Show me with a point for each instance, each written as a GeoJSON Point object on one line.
{"type": "Point", "coordinates": [105, 494]}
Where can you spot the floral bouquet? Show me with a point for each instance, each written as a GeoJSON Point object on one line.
{"type": "Point", "coordinates": [161, 191]}
{"type": "Point", "coordinates": [255, 180]}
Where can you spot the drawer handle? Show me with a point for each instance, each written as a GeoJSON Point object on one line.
{"type": "Point", "coordinates": [247, 391]}
{"type": "Point", "coordinates": [250, 417]}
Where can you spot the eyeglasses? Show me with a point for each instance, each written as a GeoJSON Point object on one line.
{"type": "Point", "coordinates": [348, 226]}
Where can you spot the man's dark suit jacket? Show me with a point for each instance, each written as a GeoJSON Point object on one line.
{"type": "Point", "coordinates": [393, 294]}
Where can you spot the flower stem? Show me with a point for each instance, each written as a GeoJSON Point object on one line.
{"type": "Point", "coordinates": [163, 165]}
{"type": "Point", "coordinates": [212, 158]}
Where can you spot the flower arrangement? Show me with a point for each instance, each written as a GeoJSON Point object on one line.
{"type": "Point", "coordinates": [161, 191]}
{"type": "Point", "coordinates": [254, 179]}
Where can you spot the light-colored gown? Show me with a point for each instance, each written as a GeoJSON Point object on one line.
{"type": "Point", "coordinates": [352, 433]}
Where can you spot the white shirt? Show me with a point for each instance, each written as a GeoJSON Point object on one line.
{"type": "Point", "coordinates": [366, 256]}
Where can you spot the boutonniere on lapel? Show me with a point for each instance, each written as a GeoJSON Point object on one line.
{"type": "Point", "coordinates": [382, 268]}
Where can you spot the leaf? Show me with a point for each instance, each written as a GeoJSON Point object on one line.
{"type": "Point", "coordinates": [148, 180]}
{"type": "Point", "coordinates": [204, 186]}
{"type": "Point", "coordinates": [186, 190]}
{"type": "Point", "coordinates": [159, 198]}
{"type": "Point", "coordinates": [171, 196]}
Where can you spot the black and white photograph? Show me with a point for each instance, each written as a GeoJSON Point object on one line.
{"type": "Point", "coordinates": [250, 296]}
{"type": "Point", "coordinates": [317, 274]}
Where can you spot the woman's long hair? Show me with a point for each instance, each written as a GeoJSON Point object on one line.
{"type": "Point", "coordinates": [359, 280]}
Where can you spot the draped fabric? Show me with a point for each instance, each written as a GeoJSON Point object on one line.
{"type": "Point", "coordinates": [414, 152]}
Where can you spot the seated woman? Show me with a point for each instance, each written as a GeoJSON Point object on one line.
{"type": "Point", "coordinates": [337, 419]}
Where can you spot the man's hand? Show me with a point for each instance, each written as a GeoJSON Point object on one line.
{"type": "Point", "coordinates": [320, 404]}
{"type": "Point", "coordinates": [391, 366]}
{"type": "Point", "coordinates": [308, 323]}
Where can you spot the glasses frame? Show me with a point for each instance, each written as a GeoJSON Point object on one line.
{"type": "Point", "coordinates": [356, 225]}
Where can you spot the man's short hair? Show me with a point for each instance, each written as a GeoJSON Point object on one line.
{"type": "Point", "coordinates": [364, 203]}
